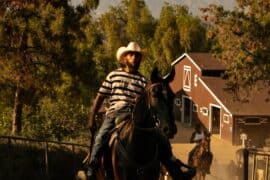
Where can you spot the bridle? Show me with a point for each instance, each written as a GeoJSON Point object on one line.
{"type": "Point", "coordinates": [153, 115]}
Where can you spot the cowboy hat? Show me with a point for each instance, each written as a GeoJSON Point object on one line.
{"type": "Point", "coordinates": [131, 47]}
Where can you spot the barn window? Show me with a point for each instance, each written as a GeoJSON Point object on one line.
{"type": "Point", "coordinates": [195, 80]}
{"type": "Point", "coordinates": [252, 120]}
{"type": "Point", "coordinates": [226, 118]}
{"type": "Point", "coordinates": [204, 111]}
{"type": "Point", "coordinates": [195, 107]}
{"type": "Point", "coordinates": [177, 101]}
{"type": "Point", "coordinates": [187, 78]}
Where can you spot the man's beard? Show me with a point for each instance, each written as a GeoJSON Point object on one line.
{"type": "Point", "coordinates": [134, 66]}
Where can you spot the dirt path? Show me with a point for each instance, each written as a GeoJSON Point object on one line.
{"type": "Point", "coordinates": [223, 164]}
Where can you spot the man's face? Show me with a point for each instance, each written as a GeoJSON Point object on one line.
{"type": "Point", "coordinates": [133, 60]}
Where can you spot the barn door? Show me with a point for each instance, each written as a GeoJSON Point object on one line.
{"type": "Point", "coordinates": [187, 110]}
{"type": "Point", "coordinates": [215, 119]}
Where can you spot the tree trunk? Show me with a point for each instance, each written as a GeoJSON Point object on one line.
{"type": "Point", "coordinates": [17, 112]}
{"type": "Point", "coordinates": [18, 101]}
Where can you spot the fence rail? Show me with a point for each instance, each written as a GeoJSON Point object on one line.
{"type": "Point", "coordinates": [256, 164]}
{"type": "Point", "coordinates": [14, 140]}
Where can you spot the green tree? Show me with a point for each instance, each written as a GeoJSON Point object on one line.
{"type": "Point", "coordinates": [242, 41]}
{"type": "Point", "coordinates": [166, 39]}
{"type": "Point", "coordinates": [130, 21]}
{"type": "Point", "coordinates": [192, 33]}
{"type": "Point", "coordinates": [177, 32]}
{"type": "Point", "coordinates": [37, 45]}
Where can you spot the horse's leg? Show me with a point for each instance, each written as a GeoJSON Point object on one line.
{"type": "Point", "coordinates": [198, 175]}
{"type": "Point", "coordinates": [114, 162]}
{"type": "Point", "coordinates": [203, 175]}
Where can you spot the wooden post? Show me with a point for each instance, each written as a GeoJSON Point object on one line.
{"type": "Point", "coordinates": [46, 159]}
{"type": "Point", "coordinates": [9, 158]}
{"type": "Point", "coordinates": [245, 167]}
{"type": "Point", "coordinates": [73, 159]}
{"type": "Point", "coordinates": [266, 168]}
{"type": "Point", "coordinates": [254, 169]}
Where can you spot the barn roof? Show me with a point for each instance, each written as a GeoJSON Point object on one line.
{"type": "Point", "coordinates": [257, 104]}
{"type": "Point", "coordinates": [203, 61]}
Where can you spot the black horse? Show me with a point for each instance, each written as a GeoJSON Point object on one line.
{"type": "Point", "coordinates": [135, 152]}
{"type": "Point", "coordinates": [134, 144]}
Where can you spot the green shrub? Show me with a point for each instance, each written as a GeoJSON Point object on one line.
{"type": "Point", "coordinates": [5, 120]}
{"type": "Point", "coordinates": [57, 120]}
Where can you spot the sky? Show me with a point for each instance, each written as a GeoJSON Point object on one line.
{"type": "Point", "coordinates": [155, 5]}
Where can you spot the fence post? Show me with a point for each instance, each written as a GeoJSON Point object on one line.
{"type": "Point", "coordinates": [267, 166]}
{"type": "Point", "coordinates": [45, 144]}
{"type": "Point", "coordinates": [73, 159]}
{"type": "Point", "coordinates": [245, 167]}
{"type": "Point", "coordinates": [9, 158]}
{"type": "Point", "coordinates": [46, 159]}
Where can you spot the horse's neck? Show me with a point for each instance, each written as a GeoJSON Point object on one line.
{"type": "Point", "coordinates": [204, 145]}
{"type": "Point", "coordinates": [140, 126]}
{"type": "Point", "coordinates": [142, 115]}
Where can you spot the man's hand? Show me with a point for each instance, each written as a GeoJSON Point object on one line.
{"type": "Point", "coordinates": [93, 112]}
{"type": "Point", "coordinates": [92, 124]}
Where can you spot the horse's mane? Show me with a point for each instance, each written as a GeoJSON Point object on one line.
{"type": "Point", "coordinates": [139, 115]}
{"type": "Point", "coordinates": [141, 110]}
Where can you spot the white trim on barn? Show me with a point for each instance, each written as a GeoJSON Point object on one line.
{"type": "Point", "coordinates": [210, 118]}
{"type": "Point", "coordinates": [187, 83]}
{"type": "Point", "coordinates": [215, 97]}
{"type": "Point", "coordinates": [181, 57]}
{"type": "Point", "coordinates": [226, 118]}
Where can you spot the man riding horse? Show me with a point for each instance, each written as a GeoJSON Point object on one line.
{"type": "Point", "coordinates": [202, 139]}
{"type": "Point", "coordinates": [123, 86]}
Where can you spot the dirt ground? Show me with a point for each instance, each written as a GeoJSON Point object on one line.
{"type": "Point", "coordinates": [224, 161]}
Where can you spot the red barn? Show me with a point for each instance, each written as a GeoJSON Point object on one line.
{"type": "Point", "coordinates": [201, 96]}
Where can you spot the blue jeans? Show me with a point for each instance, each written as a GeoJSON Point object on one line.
{"type": "Point", "coordinates": [102, 138]}
{"type": "Point", "coordinates": [104, 133]}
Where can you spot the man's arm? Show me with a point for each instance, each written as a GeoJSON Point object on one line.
{"type": "Point", "coordinates": [192, 137]}
{"type": "Point", "coordinates": [94, 110]}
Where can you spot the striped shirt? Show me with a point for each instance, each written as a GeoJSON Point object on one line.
{"type": "Point", "coordinates": [122, 88]}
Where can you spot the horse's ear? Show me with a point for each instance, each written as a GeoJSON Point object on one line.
{"type": "Point", "coordinates": [155, 77]}
{"type": "Point", "coordinates": [170, 76]}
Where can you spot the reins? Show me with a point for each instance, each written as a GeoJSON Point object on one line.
{"type": "Point", "coordinates": [148, 129]}
{"type": "Point", "coordinates": [140, 169]}
{"type": "Point", "coordinates": [147, 90]}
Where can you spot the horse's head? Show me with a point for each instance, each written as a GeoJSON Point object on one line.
{"type": "Point", "coordinates": [157, 104]}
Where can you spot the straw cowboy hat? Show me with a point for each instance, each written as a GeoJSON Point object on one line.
{"type": "Point", "coordinates": [131, 47]}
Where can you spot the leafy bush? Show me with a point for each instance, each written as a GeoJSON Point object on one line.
{"type": "Point", "coordinates": [57, 120]}
{"type": "Point", "coordinates": [5, 120]}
